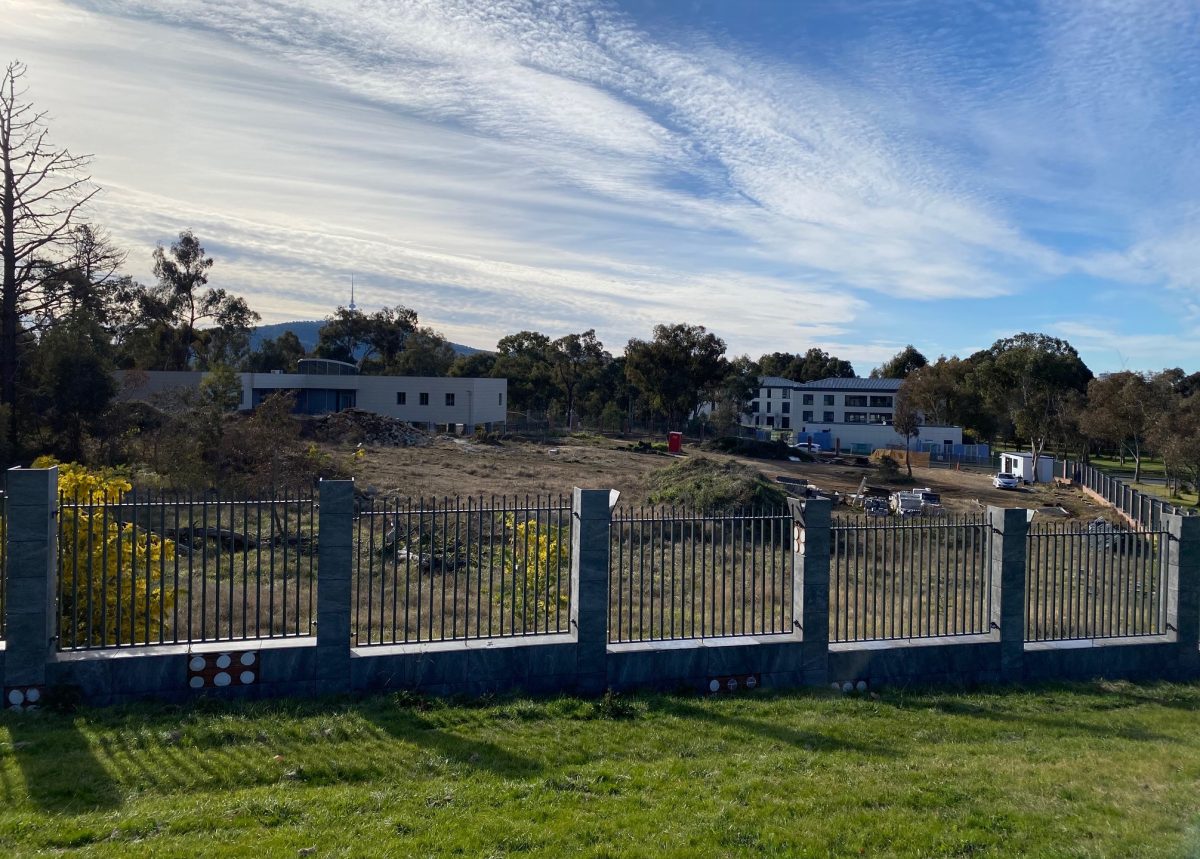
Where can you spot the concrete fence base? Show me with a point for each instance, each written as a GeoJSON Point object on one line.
{"type": "Point", "coordinates": [581, 661]}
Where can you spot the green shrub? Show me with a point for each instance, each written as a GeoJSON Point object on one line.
{"type": "Point", "coordinates": [710, 485]}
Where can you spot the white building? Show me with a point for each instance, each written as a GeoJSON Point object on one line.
{"type": "Point", "coordinates": [846, 414]}
{"type": "Point", "coordinates": [324, 386]}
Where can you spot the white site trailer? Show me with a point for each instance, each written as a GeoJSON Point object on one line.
{"type": "Point", "coordinates": [1021, 464]}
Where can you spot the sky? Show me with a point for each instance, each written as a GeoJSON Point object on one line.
{"type": "Point", "coordinates": [853, 176]}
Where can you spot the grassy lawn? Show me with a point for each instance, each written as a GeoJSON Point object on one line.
{"type": "Point", "coordinates": [1088, 770]}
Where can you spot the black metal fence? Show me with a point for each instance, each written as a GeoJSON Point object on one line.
{"type": "Point", "coordinates": [893, 579]}
{"type": "Point", "coordinates": [677, 573]}
{"type": "Point", "coordinates": [156, 569]}
{"type": "Point", "coordinates": [3, 562]}
{"type": "Point", "coordinates": [454, 569]}
{"type": "Point", "coordinates": [1086, 582]}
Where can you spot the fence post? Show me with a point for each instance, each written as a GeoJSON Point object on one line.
{"type": "Point", "coordinates": [812, 549]}
{"type": "Point", "coordinates": [32, 588]}
{"type": "Point", "coordinates": [334, 536]}
{"type": "Point", "coordinates": [1010, 528]}
{"type": "Point", "coordinates": [589, 586]}
{"type": "Point", "coordinates": [1183, 589]}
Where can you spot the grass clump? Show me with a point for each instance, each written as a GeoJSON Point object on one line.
{"type": "Point", "coordinates": [710, 485]}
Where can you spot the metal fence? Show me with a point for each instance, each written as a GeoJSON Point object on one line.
{"type": "Point", "coordinates": [1146, 511]}
{"type": "Point", "coordinates": [891, 579]}
{"type": "Point", "coordinates": [678, 573]}
{"type": "Point", "coordinates": [156, 569]}
{"type": "Point", "coordinates": [1083, 583]}
{"type": "Point", "coordinates": [454, 569]}
{"type": "Point", "coordinates": [3, 562]}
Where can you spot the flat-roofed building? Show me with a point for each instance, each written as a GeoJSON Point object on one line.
{"type": "Point", "coordinates": [322, 386]}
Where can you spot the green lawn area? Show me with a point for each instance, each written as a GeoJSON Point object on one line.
{"type": "Point", "coordinates": [1150, 467]}
{"type": "Point", "coordinates": [1087, 770]}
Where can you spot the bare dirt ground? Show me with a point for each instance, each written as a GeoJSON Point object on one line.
{"type": "Point", "coordinates": [449, 467]}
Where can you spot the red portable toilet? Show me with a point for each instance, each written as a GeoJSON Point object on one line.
{"type": "Point", "coordinates": [674, 442]}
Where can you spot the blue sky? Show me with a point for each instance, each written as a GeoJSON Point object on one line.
{"type": "Point", "coordinates": [854, 176]}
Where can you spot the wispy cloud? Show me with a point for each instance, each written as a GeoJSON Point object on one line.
{"type": "Point", "coordinates": [518, 164]}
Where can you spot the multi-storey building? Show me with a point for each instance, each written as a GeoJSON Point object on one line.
{"type": "Point", "coordinates": [853, 414]}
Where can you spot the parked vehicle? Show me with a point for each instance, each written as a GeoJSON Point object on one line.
{"type": "Point", "coordinates": [806, 446]}
{"type": "Point", "coordinates": [1004, 480]}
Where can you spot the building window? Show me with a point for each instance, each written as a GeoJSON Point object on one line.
{"type": "Point", "coordinates": [808, 401]}
{"type": "Point", "coordinates": [401, 398]}
{"type": "Point", "coordinates": [856, 401]}
{"type": "Point", "coordinates": [786, 408]}
{"type": "Point", "coordinates": [787, 394]}
{"type": "Point", "coordinates": [770, 421]}
{"type": "Point", "coordinates": [768, 393]}
{"type": "Point", "coordinates": [768, 408]}
{"type": "Point", "coordinates": [786, 423]}
{"type": "Point", "coordinates": [881, 418]}
{"type": "Point", "coordinates": [754, 407]}
{"type": "Point", "coordinates": [424, 399]}
{"type": "Point", "coordinates": [449, 399]}
{"type": "Point", "coordinates": [881, 402]}
{"type": "Point", "coordinates": [856, 417]}
{"type": "Point", "coordinates": [807, 417]}
{"type": "Point", "coordinates": [829, 399]}
{"type": "Point", "coordinates": [500, 400]}
{"type": "Point", "coordinates": [829, 417]}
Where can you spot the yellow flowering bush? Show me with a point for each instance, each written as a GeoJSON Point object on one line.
{"type": "Point", "coordinates": [539, 560]}
{"type": "Point", "coordinates": [106, 564]}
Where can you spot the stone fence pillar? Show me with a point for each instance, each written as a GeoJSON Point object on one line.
{"type": "Point", "coordinates": [1010, 530]}
{"type": "Point", "coordinates": [811, 550]}
{"type": "Point", "coordinates": [1183, 589]}
{"type": "Point", "coordinates": [31, 592]}
{"type": "Point", "coordinates": [334, 571]}
{"type": "Point", "coordinates": [589, 586]}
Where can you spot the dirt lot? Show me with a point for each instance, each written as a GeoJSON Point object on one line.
{"type": "Point", "coordinates": [461, 467]}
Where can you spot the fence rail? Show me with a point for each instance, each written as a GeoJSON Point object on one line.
{"type": "Point", "coordinates": [891, 580]}
{"type": "Point", "coordinates": [678, 573]}
{"type": "Point", "coordinates": [453, 569]}
{"type": "Point", "coordinates": [156, 569]}
{"type": "Point", "coordinates": [1084, 583]}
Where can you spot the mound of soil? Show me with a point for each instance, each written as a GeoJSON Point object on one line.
{"type": "Point", "coordinates": [362, 427]}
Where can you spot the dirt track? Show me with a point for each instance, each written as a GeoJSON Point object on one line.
{"type": "Point", "coordinates": [461, 467]}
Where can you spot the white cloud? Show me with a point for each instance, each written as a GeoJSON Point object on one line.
{"type": "Point", "coordinates": [509, 164]}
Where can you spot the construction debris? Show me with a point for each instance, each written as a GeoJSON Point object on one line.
{"type": "Point", "coordinates": [358, 426]}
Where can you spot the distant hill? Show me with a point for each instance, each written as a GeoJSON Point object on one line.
{"type": "Point", "coordinates": [308, 330]}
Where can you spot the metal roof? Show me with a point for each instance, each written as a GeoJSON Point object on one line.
{"type": "Point", "coordinates": [776, 382]}
{"type": "Point", "coordinates": [890, 385]}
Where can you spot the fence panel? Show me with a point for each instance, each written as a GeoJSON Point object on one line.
{"type": "Point", "coordinates": [895, 579]}
{"type": "Point", "coordinates": [452, 570]}
{"type": "Point", "coordinates": [1084, 584]}
{"type": "Point", "coordinates": [682, 574]}
{"type": "Point", "coordinates": [3, 561]}
{"type": "Point", "coordinates": [142, 569]}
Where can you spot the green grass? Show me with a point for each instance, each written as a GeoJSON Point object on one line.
{"type": "Point", "coordinates": [1150, 467]}
{"type": "Point", "coordinates": [1088, 770]}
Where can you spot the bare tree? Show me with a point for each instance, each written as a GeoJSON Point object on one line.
{"type": "Point", "coordinates": [41, 192]}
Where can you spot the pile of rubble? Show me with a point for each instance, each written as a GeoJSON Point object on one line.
{"type": "Point", "coordinates": [361, 427]}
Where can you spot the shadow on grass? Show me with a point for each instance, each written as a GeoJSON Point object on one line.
{"type": "Point", "coordinates": [980, 708]}
{"type": "Point", "coordinates": [410, 726]}
{"type": "Point", "coordinates": [807, 740]}
{"type": "Point", "coordinates": [59, 766]}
